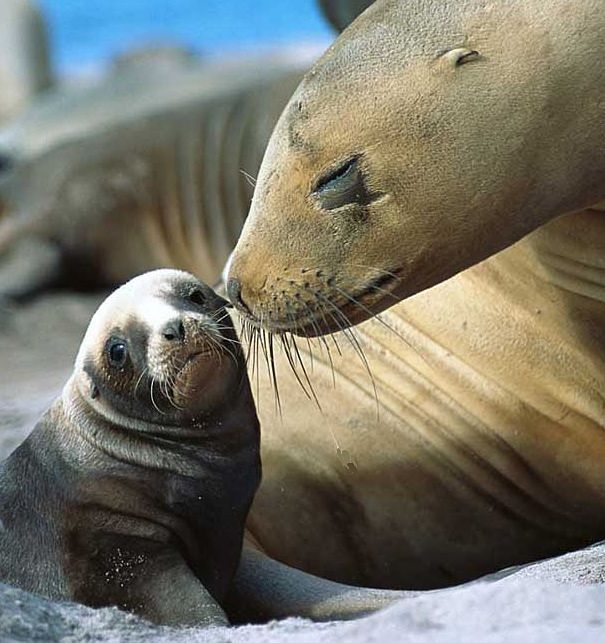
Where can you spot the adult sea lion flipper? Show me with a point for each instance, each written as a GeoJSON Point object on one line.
{"type": "Point", "coordinates": [266, 589]}
{"type": "Point", "coordinates": [340, 13]}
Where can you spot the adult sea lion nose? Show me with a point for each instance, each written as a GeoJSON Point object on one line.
{"type": "Point", "coordinates": [234, 292]}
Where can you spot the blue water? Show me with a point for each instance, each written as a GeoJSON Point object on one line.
{"type": "Point", "coordinates": [86, 33]}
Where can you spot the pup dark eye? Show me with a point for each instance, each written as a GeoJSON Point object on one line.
{"type": "Point", "coordinates": [343, 186]}
{"type": "Point", "coordinates": [117, 352]}
{"type": "Point", "coordinates": [197, 297]}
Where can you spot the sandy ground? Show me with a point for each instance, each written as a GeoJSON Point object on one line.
{"type": "Point", "coordinates": [557, 600]}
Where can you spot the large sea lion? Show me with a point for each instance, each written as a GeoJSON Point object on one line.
{"type": "Point", "coordinates": [427, 139]}
{"type": "Point", "coordinates": [151, 167]}
{"type": "Point", "coordinates": [25, 68]}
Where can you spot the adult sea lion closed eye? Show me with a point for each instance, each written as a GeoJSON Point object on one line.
{"type": "Point", "coordinates": [134, 487]}
{"type": "Point", "coordinates": [428, 138]}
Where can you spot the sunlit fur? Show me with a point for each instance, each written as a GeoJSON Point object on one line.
{"type": "Point", "coordinates": [485, 447]}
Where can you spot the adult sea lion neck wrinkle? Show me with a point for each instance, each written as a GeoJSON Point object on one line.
{"type": "Point", "coordinates": [465, 138]}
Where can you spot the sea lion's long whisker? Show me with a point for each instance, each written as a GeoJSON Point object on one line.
{"type": "Point", "coordinates": [249, 178]}
{"type": "Point", "coordinates": [274, 375]}
{"type": "Point", "coordinates": [379, 319]}
{"type": "Point", "coordinates": [348, 332]}
{"type": "Point", "coordinates": [157, 408]}
{"type": "Point", "coordinates": [145, 370]}
{"type": "Point", "coordinates": [309, 395]}
{"type": "Point", "coordinates": [292, 339]}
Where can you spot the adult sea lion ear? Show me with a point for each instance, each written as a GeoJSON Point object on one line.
{"type": "Point", "coordinates": [459, 56]}
{"type": "Point", "coordinates": [341, 13]}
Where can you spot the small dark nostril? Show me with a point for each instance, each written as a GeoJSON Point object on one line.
{"type": "Point", "coordinates": [174, 330]}
{"type": "Point", "coordinates": [234, 292]}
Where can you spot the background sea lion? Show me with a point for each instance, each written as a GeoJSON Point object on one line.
{"type": "Point", "coordinates": [151, 167]}
{"type": "Point", "coordinates": [134, 487]}
{"type": "Point", "coordinates": [430, 136]}
{"type": "Point", "coordinates": [25, 68]}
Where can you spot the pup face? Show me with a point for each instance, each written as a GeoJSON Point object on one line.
{"type": "Point", "coordinates": [160, 349]}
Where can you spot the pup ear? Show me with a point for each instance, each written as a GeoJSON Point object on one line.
{"type": "Point", "coordinates": [341, 13]}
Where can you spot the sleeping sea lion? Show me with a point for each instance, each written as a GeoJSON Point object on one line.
{"type": "Point", "coordinates": [430, 137]}
{"type": "Point", "coordinates": [151, 167]}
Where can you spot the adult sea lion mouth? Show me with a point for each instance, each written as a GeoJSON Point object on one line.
{"type": "Point", "coordinates": [333, 311]}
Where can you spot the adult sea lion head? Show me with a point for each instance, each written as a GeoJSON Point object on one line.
{"type": "Point", "coordinates": [428, 137]}
{"type": "Point", "coordinates": [160, 350]}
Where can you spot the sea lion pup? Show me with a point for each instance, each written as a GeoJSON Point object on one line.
{"type": "Point", "coordinates": [430, 136]}
{"type": "Point", "coordinates": [25, 69]}
{"type": "Point", "coordinates": [166, 154]}
{"type": "Point", "coordinates": [133, 488]}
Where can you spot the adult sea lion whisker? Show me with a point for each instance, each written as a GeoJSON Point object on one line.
{"type": "Point", "coordinates": [380, 320]}
{"type": "Point", "coordinates": [274, 375]}
{"type": "Point", "coordinates": [310, 394]}
{"type": "Point", "coordinates": [249, 178]}
{"type": "Point", "coordinates": [349, 332]}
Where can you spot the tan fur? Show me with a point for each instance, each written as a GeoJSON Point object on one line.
{"type": "Point", "coordinates": [488, 448]}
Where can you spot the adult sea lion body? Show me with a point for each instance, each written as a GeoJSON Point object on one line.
{"type": "Point", "coordinates": [25, 69]}
{"type": "Point", "coordinates": [148, 168]}
{"type": "Point", "coordinates": [428, 138]}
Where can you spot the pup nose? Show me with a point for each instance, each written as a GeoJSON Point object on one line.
{"type": "Point", "coordinates": [234, 291]}
{"type": "Point", "coordinates": [174, 330]}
